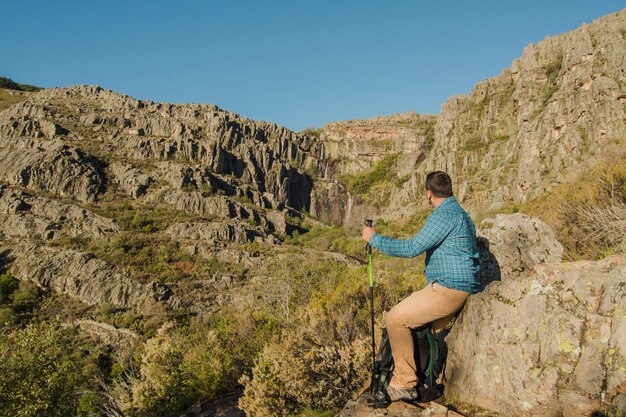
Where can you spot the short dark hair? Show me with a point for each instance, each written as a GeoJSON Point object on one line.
{"type": "Point", "coordinates": [439, 183]}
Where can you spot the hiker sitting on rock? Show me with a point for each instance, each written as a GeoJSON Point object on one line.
{"type": "Point", "coordinates": [449, 240]}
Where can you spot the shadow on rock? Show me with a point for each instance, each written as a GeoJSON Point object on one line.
{"type": "Point", "coordinates": [489, 266]}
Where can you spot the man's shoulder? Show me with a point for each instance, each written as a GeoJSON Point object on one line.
{"type": "Point", "coordinates": [451, 208]}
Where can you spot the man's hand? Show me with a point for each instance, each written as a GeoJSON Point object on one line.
{"type": "Point", "coordinates": [367, 233]}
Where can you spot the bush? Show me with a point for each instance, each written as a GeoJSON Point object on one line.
{"type": "Point", "coordinates": [17, 299]}
{"type": "Point", "coordinates": [304, 371]}
{"type": "Point", "coordinates": [8, 285]}
{"type": "Point", "coordinates": [383, 171]}
{"type": "Point", "coordinates": [12, 85]}
{"type": "Point", "coordinates": [322, 359]}
{"type": "Point", "coordinates": [185, 364]}
{"type": "Point", "coordinates": [40, 373]}
{"type": "Point", "coordinates": [586, 214]}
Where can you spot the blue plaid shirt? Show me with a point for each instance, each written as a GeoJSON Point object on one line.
{"type": "Point", "coordinates": [449, 240]}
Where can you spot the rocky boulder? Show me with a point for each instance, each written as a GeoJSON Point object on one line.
{"type": "Point", "coordinates": [211, 233]}
{"type": "Point", "coordinates": [512, 244]}
{"type": "Point", "coordinates": [547, 342]}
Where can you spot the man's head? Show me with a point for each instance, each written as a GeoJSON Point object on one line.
{"type": "Point", "coordinates": [438, 186]}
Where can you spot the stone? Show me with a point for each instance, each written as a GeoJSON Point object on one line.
{"type": "Point", "coordinates": [618, 407]}
{"type": "Point", "coordinates": [541, 342]}
{"type": "Point", "coordinates": [510, 245]}
{"type": "Point", "coordinates": [27, 216]}
{"type": "Point", "coordinates": [130, 179]}
{"type": "Point", "coordinates": [211, 233]}
{"type": "Point", "coordinates": [360, 408]}
{"type": "Point", "coordinates": [108, 334]}
{"type": "Point", "coordinates": [52, 166]}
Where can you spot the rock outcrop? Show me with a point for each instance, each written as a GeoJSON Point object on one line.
{"type": "Point", "coordinates": [559, 107]}
{"type": "Point", "coordinates": [556, 110]}
{"type": "Point", "coordinates": [130, 179]}
{"type": "Point", "coordinates": [26, 216]}
{"type": "Point", "coordinates": [354, 146]}
{"type": "Point", "coordinates": [53, 166]}
{"type": "Point", "coordinates": [82, 121]}
{"type": "Point", "coordinates": [546, 343]}
{"type": "Point", "coordinates": [85, 278]}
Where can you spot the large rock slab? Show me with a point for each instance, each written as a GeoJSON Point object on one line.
{"type": "Point", "coordinates": [551, 342]}
{"type": "Point", "coordinates": [26, 216]}
{"type": "Point", "coordinates": [87, 279]}
{"type": "Point", "coordinates": [52, 166]}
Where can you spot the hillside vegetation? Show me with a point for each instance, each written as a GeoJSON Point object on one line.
{"type": "Point", "coordinates": [154, 256]}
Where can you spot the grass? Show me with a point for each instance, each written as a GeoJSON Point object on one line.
{"type": "Point", "coordinates": [9, 98]}
{"type": "Point", "coordinates": [566, 208]}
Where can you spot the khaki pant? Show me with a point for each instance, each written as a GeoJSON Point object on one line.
{"type": "Point", "coordinates": [434, 303]}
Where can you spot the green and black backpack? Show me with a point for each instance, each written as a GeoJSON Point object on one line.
{"type": "Point", "coordinates": [430, 356]}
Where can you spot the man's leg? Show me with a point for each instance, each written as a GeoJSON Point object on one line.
{"type": "Point", "coordinates": [432, 303]}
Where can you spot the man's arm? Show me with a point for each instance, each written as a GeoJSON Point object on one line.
{"type": "Point", "coordinates": [435, 230]}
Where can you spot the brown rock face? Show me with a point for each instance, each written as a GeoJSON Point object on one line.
{"type": "Point", "coordinates": [552, 113]}
{"type": "Point", "coordinates": [355, 146]}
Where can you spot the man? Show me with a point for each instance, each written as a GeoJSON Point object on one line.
{"type": "Point", "coordinates": [449, 240]}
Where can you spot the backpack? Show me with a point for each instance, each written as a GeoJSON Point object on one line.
{"type": "Point", "coordinates": [430, 353]}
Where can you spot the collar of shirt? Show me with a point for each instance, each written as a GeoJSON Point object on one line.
{"type": "Point", "coordinates": [445, 202]}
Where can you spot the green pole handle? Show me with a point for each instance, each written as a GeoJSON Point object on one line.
{"type": "Point", "coordinates": [371, 270]}
{"type": "Point", "coordinates": [370, 223]}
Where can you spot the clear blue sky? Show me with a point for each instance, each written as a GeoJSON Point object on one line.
{"type": "Point", "coordinates": [296, 63]}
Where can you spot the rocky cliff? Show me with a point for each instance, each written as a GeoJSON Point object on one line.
{"type": "Point", "coordinates": [354, 146]}
{"type": "Point", "coordinates": [556, 110]}
{"type": "Point", "coordinates": [544, 338]}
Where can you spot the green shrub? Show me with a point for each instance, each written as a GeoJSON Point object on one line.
{"type": "Point", "coordinates": [185, 364]}
{"type": "Point", "coordinates": [360, 184]}
{"type": "Point", "coordinates": [303, 371]}
{"type": "Point", "coordinates": [312, 131]}
{"type": "Point", "coordinates": [89, 405]}
{"type": "Point", "coordinates": [8, 285]}
{"type": "Point", "coordinates": [12, 85]}
{"type": "Point", "coordinates": [551, 70]}
{"type": "Point", "coordinates": [40, 372]}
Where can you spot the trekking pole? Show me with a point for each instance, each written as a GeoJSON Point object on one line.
{"type": "Point", "coordinates": [369, 223]}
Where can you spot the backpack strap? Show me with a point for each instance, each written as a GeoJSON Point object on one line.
{"type": "Point", "coordinates": [432, 357]}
